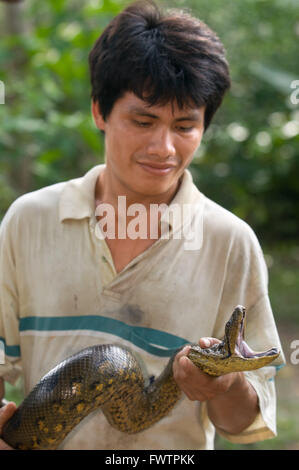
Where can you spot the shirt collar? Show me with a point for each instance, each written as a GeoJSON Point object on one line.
{"type": "Point", "coordinates": [77, 200]}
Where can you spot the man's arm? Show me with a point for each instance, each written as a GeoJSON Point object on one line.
{"type": "Point", "coordinates": [234, 410]}
{"type": "Point", "coordinates": [232, 402]}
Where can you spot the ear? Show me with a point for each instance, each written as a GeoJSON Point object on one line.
{"type": "Point", "coordinates": [97, 116]}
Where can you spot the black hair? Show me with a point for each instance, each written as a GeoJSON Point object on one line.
{"type": "Point", "coordinates": [161, 57]}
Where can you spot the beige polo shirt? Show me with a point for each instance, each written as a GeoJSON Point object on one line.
{"type": "Point", "coordinates": [60, 292]}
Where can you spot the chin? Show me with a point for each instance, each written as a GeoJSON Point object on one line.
{"type": "Point", "coordinates": [155, 190]}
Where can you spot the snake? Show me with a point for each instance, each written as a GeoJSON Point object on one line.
{"type": "Point", "coordinates": [111, 378]}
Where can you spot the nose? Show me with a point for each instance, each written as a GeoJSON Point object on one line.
{"type": "Point", "coordinates": [162, 143]}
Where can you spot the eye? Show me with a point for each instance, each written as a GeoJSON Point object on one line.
{"type": "Point", "coordinates": [141, 123]}
{"type": "Point", "coordinates": [185, 129]}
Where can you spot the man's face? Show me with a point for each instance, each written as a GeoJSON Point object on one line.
{"type": "Point", "coordinates": [148, 147]}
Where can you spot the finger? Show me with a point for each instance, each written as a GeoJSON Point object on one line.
{"type": "Point", "coordinates": [193, 381]}
{"type": "Point", "coordinates": [207, 342]}
{"type": "Point", "coordinates": [6, 413]}
{"type": "Point", "coordinates": [183, 352]}
{"type": "Point", "coordinates": [180, 354]}
{"type": "Point", "coordinates": [183, 374]}
{"type": "Point", "coordinates": [181, 367]}
{"type": "Point", "coordinates": [185, 363]}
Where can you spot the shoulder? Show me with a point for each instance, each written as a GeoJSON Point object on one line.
{"type": "Point", "coordinates": [222, 223]}
{"type": "Point", "coordinates": [244, 255]}
{"type": "Point", "coordinates": [41, 203]}
{"type": "Point", "coordinates": [44, 198]}
{"type": "Point", "coordinates": [217, 221]}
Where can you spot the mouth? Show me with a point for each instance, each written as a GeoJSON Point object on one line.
{"type": "Point", "coordinates": [159, 169]}
{"type": "Point", "coordinates": [241, 348]}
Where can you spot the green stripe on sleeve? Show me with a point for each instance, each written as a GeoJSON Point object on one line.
{"type": "Point", "coordinates": [11, 350]}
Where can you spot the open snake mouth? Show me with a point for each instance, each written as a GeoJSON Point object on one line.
{"type": "Point", "coordinates": [241, 347]}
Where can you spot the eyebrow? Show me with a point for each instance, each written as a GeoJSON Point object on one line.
{"type": "Point", "coordinates": [192, 116]}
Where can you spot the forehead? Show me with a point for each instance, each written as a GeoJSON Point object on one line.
{"type": "Point", "coordinates": [131, 103]}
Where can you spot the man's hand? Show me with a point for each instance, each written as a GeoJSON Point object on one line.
{"type": "Point", "coordinates": [6, 413]}
{"type": "Point", "coordinates": [198, 385]}
{"type": "Point", "coordinates": [232, 402]}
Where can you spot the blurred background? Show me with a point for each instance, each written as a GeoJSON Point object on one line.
{"type": "Point", "coordinates": [248, 161]}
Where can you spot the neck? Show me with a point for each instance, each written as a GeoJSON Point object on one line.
{"type": "Point", "coordinates": [107, 191]}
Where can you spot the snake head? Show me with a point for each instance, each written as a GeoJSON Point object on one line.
{"type": "Point", "coordinates": [234, 329]}
{"type": "Point", "coordinates": [233, 354]}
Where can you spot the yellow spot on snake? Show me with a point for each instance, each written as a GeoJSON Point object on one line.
{"type": "Point", "coordinates": [99, 387]}
{"type": "Point", "coordinates": [80, 407]}
{"type": "Point", "coordinates": [58, 428]}
{"type": "Point", "coordinates": [110, 381]}
{"type": "Point", "coordinates": [50, 440]}
{"type": "Point", "coordinates": [58, 408]}
{"type": "Point", "coordinates": [42, 427]}
{"type": "Point", "coordinates": [35, 444]}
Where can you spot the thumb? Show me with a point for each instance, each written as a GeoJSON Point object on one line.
{"type": "Point", "coordinates": [207, 342]}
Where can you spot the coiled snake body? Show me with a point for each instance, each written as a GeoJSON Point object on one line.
{"type": "Point", "coordinates": [110, 377]}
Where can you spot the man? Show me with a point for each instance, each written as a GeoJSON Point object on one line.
{"type": "Point", "coordinates": [69, 280]}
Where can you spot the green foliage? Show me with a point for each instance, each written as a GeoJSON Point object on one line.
{"type": "Point", "coordinates": [283, 265]}
{"type": "Point", "coordinates": [46, 132]}
{"type": "Point", "coordinates": [249, 160]}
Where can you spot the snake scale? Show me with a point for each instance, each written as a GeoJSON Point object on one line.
{"type": "Point", "coordinates": [111, 378]}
